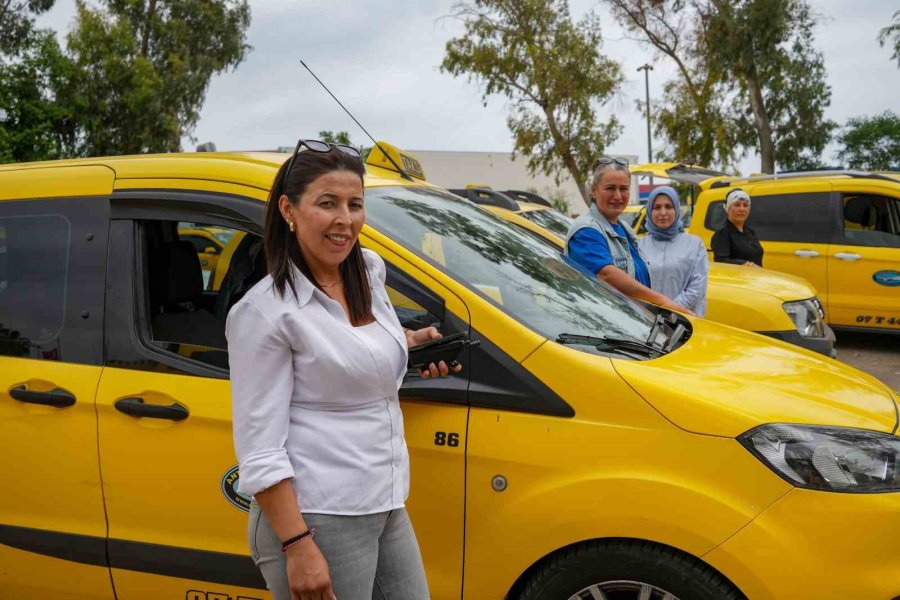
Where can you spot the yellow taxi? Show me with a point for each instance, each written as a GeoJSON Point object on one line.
{"type": "Point", "coordinates": [209, 242]}
{"type": "Point", "coordinates": [592, 447]}
{"type": "Point", "coordinates": [774, 304]}
{"type": "Point", "coordinates": [840, 230]}
{"type": "Point", "coordinates": [634, 216]}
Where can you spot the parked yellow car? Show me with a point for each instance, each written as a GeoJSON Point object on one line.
{"type": "Point", "coordinates": [840, 230]}
{"type": "Point", "coordinates": [601, 448]}
{"type": "Point", "coordinates": [778, 305]}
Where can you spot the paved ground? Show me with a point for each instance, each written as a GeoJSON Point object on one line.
{"type": "Point", "coordinates": [875, 353]}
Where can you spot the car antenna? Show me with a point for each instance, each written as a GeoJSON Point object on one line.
{"type": "Point", "coordinates": [388, 156]}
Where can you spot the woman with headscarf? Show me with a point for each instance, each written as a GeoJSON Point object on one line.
{"type": "Point", "coordinates": [734, 242]}
{"type": "Point", "coordinates": [677, 261]}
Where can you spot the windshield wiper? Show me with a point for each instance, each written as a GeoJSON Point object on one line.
{"type": "Point", "coordinates": [611, 342]}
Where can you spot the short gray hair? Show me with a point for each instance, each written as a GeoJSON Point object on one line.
{"type": "Point", "coordinates": [604, 164]}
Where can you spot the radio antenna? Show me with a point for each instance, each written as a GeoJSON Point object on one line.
{"type": "Point", "coordinates": [386, 155]}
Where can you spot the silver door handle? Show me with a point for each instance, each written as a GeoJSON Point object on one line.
{"type": "Point", "coordinates": [806, 253]}
{"type": "Point", "coordinates": [847, 256]}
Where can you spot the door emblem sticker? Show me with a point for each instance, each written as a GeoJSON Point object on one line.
{"type": "Point", "coordinates": [229, 488]}
{"type": "Point", "coordinates": [888, 278]}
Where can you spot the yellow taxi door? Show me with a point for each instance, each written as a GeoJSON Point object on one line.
{"type": "Point", "coordinates": [864, 260]}
{"type": "Point", "coordinates": [435, 414]}
{"type": "Point", "coordinates": [52, 270]}
{"type": "Point", "coordinates": [177, 527]}
{"type": "Point", "coordinates": [794, 227]}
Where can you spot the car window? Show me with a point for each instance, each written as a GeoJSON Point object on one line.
{"type": "Point", "coordinates": [784, 217]}
{"type": "Point", "coordinates": [871, 220]}
{"type": "Point", "coordinates": [527, 279]}
{"type": "Point", "coordinates": [186, 313]}
{"type": "Point", "coordinates": [550, 220]}
{"type": "Point", "coordinates": [34, 258]}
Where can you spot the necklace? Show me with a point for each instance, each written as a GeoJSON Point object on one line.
{"type": "Point", "coordinates": [322, 285]}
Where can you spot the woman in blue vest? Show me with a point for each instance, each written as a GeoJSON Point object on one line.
{"type": "Point", "coordinates": [603, 245]}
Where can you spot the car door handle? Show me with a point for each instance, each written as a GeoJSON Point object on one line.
{"type": "Point", "coordinates": [59, 397]}
{"type": "Point", "coordinates": [137, 408]}
{"type": "Point", "coordinates": [806, 253]}
{"type": "Point", "coordinates": [848, 256]}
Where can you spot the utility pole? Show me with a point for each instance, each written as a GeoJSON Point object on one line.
{"type": "Point", "coordinates": [646, 69]}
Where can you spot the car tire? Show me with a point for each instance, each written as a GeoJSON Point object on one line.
{"type": "Point", "coordinates": [624, 570]}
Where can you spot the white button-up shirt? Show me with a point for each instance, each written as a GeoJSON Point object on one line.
{"type": "Point", "coordinates": [315, 399]}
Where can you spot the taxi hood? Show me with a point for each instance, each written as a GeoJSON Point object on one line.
{"type": "Point", "coordinates": [725, 381]}
{"type": "Point", "coordinates": [786, 288]}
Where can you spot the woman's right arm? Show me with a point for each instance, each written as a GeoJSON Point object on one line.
{"type": "Point", "coordinates": [262, 383]}
{"type": "Point", "coordinates": [630, 286]}
{"type": "Point", "coordinates": [721, 247]}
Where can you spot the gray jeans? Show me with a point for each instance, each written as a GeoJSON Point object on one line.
{"type": "Point", "coordinates": [370, 557]}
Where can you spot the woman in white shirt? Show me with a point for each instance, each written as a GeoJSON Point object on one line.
{"type": "Point", "coordinates": [678, 264]}
{"type": "Point", "coordinates": [317, 356]}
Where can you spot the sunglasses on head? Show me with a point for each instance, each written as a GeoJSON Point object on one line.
{"type": "Point", "coordinates": [604, 161]}
{"type": "Point", "coordinates": [316, 146]}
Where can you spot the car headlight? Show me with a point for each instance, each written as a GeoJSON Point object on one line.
{"type": "Point", "coordinates": [807, 317]}
{"type": "Point", "coordinates": [834, 459]}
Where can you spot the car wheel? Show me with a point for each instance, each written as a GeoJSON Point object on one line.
{"type": "Point", "coordinates": [626, 570]}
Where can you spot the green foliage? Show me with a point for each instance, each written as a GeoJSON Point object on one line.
{"type": "Point", "coordinates": [17, 23]}
{"type": "Point", "coordinates": [559, 199]}
{"type": "Point", "coordinates": [34, 126]}
{"type": "Point", "coordinates": [891, 34]}
{"type": "Point", "coordinates": [750, 79]}
{"type": "Point", "coordinates": [765, 48]}
{"type": "Point", "coordinates": [871, 143]}
{"type": "Point", "coordinates": [142, 68]}
{"type": "Point", "coordinates": [341, 137]}
{"type": "Point", "coordinates": [550, 70]}
{"type": "Point", "coordinates": [695, 116]}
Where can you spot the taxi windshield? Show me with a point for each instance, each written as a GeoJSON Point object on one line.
{"type": "Point", "coordinates": [550, 220]}
{"type": "Point", "coordinates": [525, 278]}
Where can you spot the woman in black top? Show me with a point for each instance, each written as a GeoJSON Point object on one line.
{"type": "Point", "coordinates": [734, 242]}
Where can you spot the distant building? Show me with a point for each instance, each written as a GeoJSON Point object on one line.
{"type": "Point", "coordinates": [499, 171]}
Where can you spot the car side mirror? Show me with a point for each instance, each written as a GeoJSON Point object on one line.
{"type": "Point", "coordinates": [209, 250]}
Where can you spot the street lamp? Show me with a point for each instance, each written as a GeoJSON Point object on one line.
{"type": "Point", "coordinates": [646, 69]}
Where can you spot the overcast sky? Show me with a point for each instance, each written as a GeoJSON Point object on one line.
{"type": "Point", "coordinates": [381, 59]}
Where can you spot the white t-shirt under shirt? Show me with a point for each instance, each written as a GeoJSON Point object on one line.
{"type": "Point", "coordinates": [315, 399]}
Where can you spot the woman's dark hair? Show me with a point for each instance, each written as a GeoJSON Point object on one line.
{"type": "Point", "coordinates": [281, 243]}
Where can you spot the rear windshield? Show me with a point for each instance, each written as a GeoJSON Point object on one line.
{"type": "Point", "coordinates": [549, 219]}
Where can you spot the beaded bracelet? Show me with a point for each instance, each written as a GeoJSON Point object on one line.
{"type": "Point", "coordinates": [310, 533]}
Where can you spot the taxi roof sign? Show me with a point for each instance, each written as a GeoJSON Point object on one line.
{"type": "Point", "coordinates": [382, 154]}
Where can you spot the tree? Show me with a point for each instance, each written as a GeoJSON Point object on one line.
{"type": "Point", "coordinates": [341, 137]}
{"type": "Point", "coordinates": [767, 46]}
{"type": "Point", "coordinates": [551, 71]}
{"type": "Point", "coordinates": [142, 68]}
{"type": "Point", "coordinates": [17, 22]}
{"type": "Point", "coordinates": [695, 116]}
{"type": "Point", "coordinates": [892, 33]}
{"type": "Point", "coordinates": [34, 125]}
{"type": "Point", "coordinates": [749, 78]}
{"type": "Point", "coordinates": [871, 143]}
